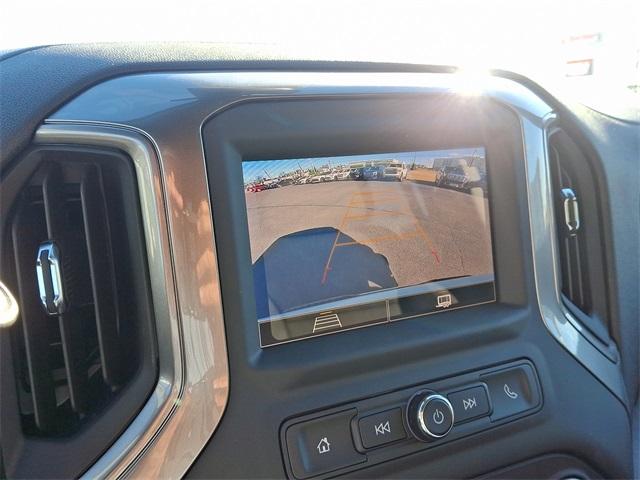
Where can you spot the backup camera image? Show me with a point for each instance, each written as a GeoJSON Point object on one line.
{"type": "Point", "coordinates": [329, 234]}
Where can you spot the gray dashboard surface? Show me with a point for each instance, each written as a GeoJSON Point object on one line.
{"type": "Point", "coordinates": [34, 83]}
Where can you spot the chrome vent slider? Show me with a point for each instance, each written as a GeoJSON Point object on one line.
{"type": "Point", "coordinates": [571, 211]}
{"type": "Point", "coordinates": [49, 275]}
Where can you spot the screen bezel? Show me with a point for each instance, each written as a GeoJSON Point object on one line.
{"type": "Point", "coordinates": [321, 127]}
{"type": "Point", "coordinates": [371, 308]}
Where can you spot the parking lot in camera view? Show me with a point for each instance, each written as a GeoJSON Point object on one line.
{"type": "Point", "coordinates": [317, 242]}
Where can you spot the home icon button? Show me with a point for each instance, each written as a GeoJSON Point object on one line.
{"type": "Point", "coordinates": [322, 445]}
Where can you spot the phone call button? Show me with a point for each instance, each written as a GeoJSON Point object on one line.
{"type": "Point", "coordinates": [512, 391]}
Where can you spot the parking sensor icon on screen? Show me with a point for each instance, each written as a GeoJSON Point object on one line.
{"type": "Point", "coordinates": [444, 301]}
{"type": "Point", "coordinates": [326, 321]}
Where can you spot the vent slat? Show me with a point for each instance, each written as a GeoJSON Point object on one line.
{"type": "Point", "coordinates": [102, 275]}
{"type": "Point", "coordinates": [71, 332]}
{"type": "Point", "coordinates": [53, 197]}
{"type": "Point", "coordinates": [25, 232]}
{"type": "Point", "coordinates": [575, 280]}
{"type": "Point", "coordinates": [74, 359]}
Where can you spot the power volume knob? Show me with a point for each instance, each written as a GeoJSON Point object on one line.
{"type": "Point", "coordinates": [429, 415]}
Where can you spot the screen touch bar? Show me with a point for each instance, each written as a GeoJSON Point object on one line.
{"type": "Point", "coordinates": [291, 329]}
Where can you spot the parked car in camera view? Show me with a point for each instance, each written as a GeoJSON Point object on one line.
{"type": "Point", "coordinates": [371, 173]}
{"type": "Point", "coordinates": [395, 171]}
{"type": "Point", "coordinates": [356, 173]}
{"type": "Point", "coordinates": [343, 175]}
{"type": "Point", "coordinates": [461, 178]}
{"type": "Point", "coordinates": [256, 187]}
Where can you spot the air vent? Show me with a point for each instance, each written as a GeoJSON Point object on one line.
{"type": "Point", "coordinates": [575, 277]}
{"type": "Point", "coordinates": [579, 230]}
{"type": "Point", "coordinates": [82, 352]}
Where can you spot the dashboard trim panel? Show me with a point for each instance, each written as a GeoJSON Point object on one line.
{"type": "Point", "coordinates": [556, 317]}
{"type": "Point", "coordinates": [165, 112]}
{"type": "Point", "coordinates": [189, 377]}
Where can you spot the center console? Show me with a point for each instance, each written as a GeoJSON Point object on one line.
{"type": "Point", "coordinates": [309, 259]}
{"type": "Point", "coordinates": [307, 255]}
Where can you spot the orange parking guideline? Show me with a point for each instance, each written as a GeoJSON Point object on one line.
{"type": "Point", "coordinates": [378, 213]}
{"type": "Point", "coordinates": [326, 267]}
{"type": "Point", "coordinates": [325, 272]}
{"type": "Point", "coordinates": [382, 238]}
{"type": "Point", "coordinates": [428, 240]}
{"type": "Point", "coordinates": [372, 198]}
{"type": "Point", "coordinates": [372, 201]}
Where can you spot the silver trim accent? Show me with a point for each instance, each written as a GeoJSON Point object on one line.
{"type": "Point", "coordinates": [55, 274]}
{"type": "Point", "coordinates": [161, 116]}
{"type": "Point", "coordinates": [422, 407]}
{"type": "Point", "coordinates": [170, 431]}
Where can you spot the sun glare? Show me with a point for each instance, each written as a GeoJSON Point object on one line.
{"type": "Point", "coordinates": [471, 81]}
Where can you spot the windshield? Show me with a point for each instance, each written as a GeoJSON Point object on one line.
{"type": "Point", "coordinates": [587, 47]}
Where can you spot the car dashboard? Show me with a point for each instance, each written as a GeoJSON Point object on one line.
{"type": "Point", "coordinates": [482, 320]}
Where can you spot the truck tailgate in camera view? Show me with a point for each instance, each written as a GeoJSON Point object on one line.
{"type": "Point", "coordinates": [343, 242]}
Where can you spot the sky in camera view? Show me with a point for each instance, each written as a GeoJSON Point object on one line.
{"type": "Point", "coordinates": [254, 170]}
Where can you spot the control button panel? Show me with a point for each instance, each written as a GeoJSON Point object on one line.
{"type": "Point", "coordinates": [322, 445]}
{"type": "Point", "coordinates": [395, 424]}
{"type": "Point", "coordinates": [470, 403]}
{"type": "Point", "coordinates": [382, 428]}
{"type": "Point", "coordinates": [512, 391]}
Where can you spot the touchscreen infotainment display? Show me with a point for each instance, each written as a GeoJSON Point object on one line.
{"type": "Point", "coordinates": [339, 243]}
